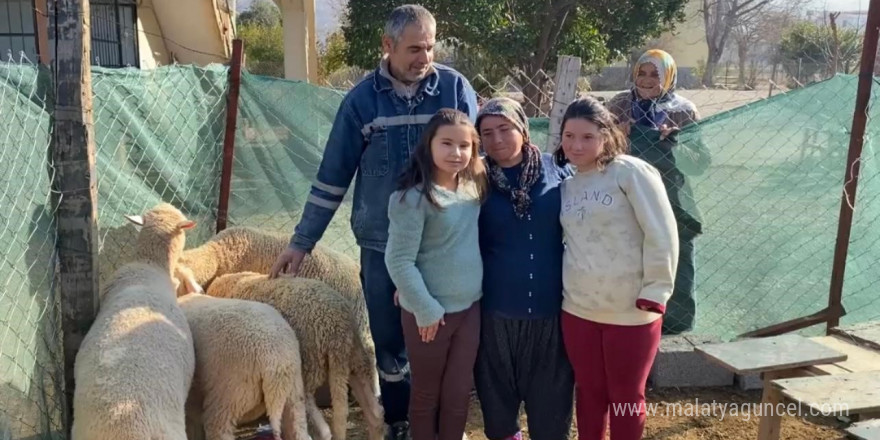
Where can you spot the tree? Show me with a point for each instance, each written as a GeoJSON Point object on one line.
{"type": "Point", "coordinates": [260, 29]}
{"type": "Point", "coordinates": [261, 13]}
{"type": "Point", "coordinates": [720, 18]}
{"type": "Point", "coordinates": [523, 36]}
{"type": "Point", "coordinates": [331, 55]}
{"type": "Point", "coordinates": [759, 32]}
{"type": "Point", "coordinates": [808, 49]}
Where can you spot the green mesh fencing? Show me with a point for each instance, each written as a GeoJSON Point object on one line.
{"type": "Point", "coordinates": [770, 203]}
{"type": "Point", "coordinates": [159, 137]}
{"type": "Point", "coordinates": [280, 137]}
{"type": "Point", "coordinates": [31, 366]}
{"type": "Point", "coordinates": [769, 200]}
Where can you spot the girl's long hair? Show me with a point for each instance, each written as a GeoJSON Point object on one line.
{"type": "Point", "coordinates": [420, 170]}
{"type": "Point", "coordinates": [590, 109]}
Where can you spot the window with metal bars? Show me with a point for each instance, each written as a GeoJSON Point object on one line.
{"type": "Point", "coordinates": [114, 32]}
{"type": "Point", "coordinates": [17, 30]}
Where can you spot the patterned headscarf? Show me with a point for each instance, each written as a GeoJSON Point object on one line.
{"type": "Point", "coordinates": [652, 112]}
{"type": "Point", "coordinates": [531, 164]}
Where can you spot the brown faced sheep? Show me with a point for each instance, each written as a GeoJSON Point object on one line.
{"type": "Point", "coordinates": [247, 364]}
{"type": "Point", "coordinates": [332, 346]}
{"type": "Point", "coordinates": [135, 366]}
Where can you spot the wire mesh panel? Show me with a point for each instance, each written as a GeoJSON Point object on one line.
{"type": "Point", "coordinates": [31, 364]}
{"type": "Point", "coordinates": [281, 134]}
{"type": "Point", "coordinates": [159, 137]}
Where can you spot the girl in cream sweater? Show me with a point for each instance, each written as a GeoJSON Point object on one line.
{"type": "Point", "coordinates": [618, 270]}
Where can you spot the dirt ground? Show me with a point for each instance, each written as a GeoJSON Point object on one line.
{"type": "Point", "coordinates": [684, 425]}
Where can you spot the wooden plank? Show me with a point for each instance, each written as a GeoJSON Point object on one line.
{"type": "Point", "coordinates": [843, 394]}
{"type": "Point", "coordinates": [75, 184]}
{"type": "Point", "coordinates": [867, 430]}
{"type": "Point", "coordinates": [867, 334]}
{"type": "Point", "coordinates": [858, 358]}
{"type": "Point", "coordinates": [826, 369]}
{"type": "Point", "coordinates": [770, 354]}
{"type": "Point", "coordinates": [568, 70]}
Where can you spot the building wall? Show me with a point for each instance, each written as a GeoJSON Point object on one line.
{"type": "Point", "coordinates": [153, 52]}
{"type": "Point", "coordinates": [194, 31]}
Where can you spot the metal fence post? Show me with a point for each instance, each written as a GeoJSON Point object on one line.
{"type": "Point", "coordinates": [229, 138]}
{"type": "Point", "coordinates": [851, 176]}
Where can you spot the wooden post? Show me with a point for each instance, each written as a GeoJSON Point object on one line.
{"type": "Point", "coordinates": [229, 137]}
{"type": "Point", "coordinates": [851, 175]}
{"type": "Point", "coordinates": [568, 70]}
{"type": "Point", "coordinates": [75, 184]}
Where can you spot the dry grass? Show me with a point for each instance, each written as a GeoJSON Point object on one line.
{"type": "Point", "coordinates": [680, 426]}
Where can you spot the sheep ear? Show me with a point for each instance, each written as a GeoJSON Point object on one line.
{"type": "Point", "coordinates": [186, 224]}
{"type": "Point", "coordinates": [136, 219]}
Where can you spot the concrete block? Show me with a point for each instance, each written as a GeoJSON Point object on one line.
{"type": "Point", "coordinates": [678, 365]}
{"type": "Point", "coordinates": [748, 382]}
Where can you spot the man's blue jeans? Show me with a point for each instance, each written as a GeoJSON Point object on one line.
{"type": "Point", "coordinates": [391, 359]}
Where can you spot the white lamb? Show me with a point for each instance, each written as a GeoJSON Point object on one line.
{"type": "Point", "coordinates": [135, 365]}
{"type": "Point", "coordinates": [247, 364]}
{"type": "Point", "coordinates": [245, 249]}
{"type": "Point", "coordinates": [331, 344]}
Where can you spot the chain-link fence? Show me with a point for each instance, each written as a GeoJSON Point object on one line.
{"type": "Point", "coordinates": [761, 175]}
{"type": "Point", "coordinates": [159, 137]}
{"type": "Point", "coordinates": [31, 367]}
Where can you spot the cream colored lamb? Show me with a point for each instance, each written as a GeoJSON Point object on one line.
{"type": "Point", "coordinates": [245, 249]}
{"type": "Point", "coordinates": [332, 346]}
{"type": "Point", "coordinates": [135, 365]}
{"type": "Point", "coordinates": [247, 364]}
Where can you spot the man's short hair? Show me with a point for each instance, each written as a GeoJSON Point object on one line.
{"type": "Point", "coordinates": [405, 15]}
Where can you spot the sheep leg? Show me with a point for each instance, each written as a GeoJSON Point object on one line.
{"type": "Point", "coordinates": [339, 399]}
{"type": "Point", "coordinates": [219, 427]}
{"type": "Point", "coordinates": [293, 420]}
{"type": "Point", "coordinates": [320, 425]}
{"type": "Point", "coordinates": [275, 393]}
{"type": "Point", "coordinates": [369, 403]}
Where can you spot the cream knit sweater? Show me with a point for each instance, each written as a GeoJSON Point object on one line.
{"type": "Point", "coordinates": [621, 243]}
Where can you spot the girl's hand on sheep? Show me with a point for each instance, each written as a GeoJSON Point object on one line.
{"type": "Point", "coordinates": [288, 262]}
{"type": "Point", "coordinates": [396, 299]}
{"type": "Point", "coordinates": [430, 332]}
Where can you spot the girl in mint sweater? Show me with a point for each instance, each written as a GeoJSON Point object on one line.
{"type": "Point", "coordinates": [433, 258]}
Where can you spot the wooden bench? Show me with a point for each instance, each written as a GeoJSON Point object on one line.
{"type": "Point", "coordinates": [776, 357]}
{"type": "Point", "coordinates": [859, 358]}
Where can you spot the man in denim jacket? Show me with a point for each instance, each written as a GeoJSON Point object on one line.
{"type": "Point", "coordinates": [376, 129]}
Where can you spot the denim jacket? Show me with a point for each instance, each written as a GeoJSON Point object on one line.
{"type": "Point", "coordinates": [373, 135]}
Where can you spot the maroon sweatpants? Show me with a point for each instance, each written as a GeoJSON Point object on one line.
{"type": "Point", "coordinates": [442, 374]}
{"type": "Point", "coordinates": [611, 365]}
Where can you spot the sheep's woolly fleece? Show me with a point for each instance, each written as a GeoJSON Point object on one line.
{"type": "Point", "coordinates": [247, 364]}
{"type": "Point", "coordinates": [136, 362]}
{"type": "Point", "coordinates": [332, 346]}
{"type": "Point", "coordinates": [245, 249]}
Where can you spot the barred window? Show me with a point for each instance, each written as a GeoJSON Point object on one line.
{"type": "Point", "coordinates": [17, 30]}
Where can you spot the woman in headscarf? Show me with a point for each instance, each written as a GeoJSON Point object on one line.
{"type": "Point", "coordinates": [521, 358]}
{"type": "Point", "coordinates": [652, 115]}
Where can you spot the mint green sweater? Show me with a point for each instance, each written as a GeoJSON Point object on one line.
{"type": "Point", "coordinates": [433, 256]}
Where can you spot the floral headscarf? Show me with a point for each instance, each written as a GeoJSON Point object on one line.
{"type": "Point", "coordinates": [653, 112]}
